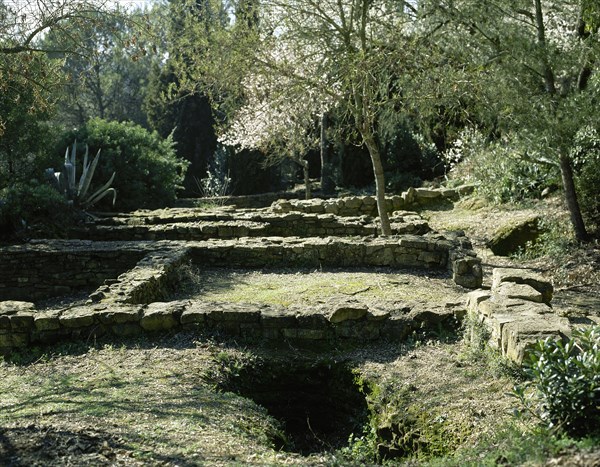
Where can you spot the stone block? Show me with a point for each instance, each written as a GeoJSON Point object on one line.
{"type": "Point", "coordinates": [22, 322]}
{"type": "Point", "coordinates": [78, 317]}
{"type": "Point", "coordinates": [426, 193]}
{"type": "Point", "coordinates": [51, 336]}
{"type": "Point", "coordinates": [119, 314]}
{"type": "Point", "coordinates": [246, 313]}
{"type": "Point", "coordinates": [231, 328]}
{"type": "Point", "coordinates": [519, 337]}
{"type": "Point", "coordinates": [196, 313]}
{"type": "Point", "coordinates": [278, 318]}
{"type": "Point", "coordinates": [519, 291]}
{"type": "Point", "coordinates": [11, 307]}
{"type": "Point", "coordinates": [126, 329]}
{"type": "Point", "coordinates": [312, 334]}
{"type": "Point", "coordinates": [352, 310]}
{"type": "Point", "coordinates": [47, 320]}
{"type": "Point", "coordinates": [522, 276]}
{"type": "Point", "coordinates": [397, 327]}
{"type": "Point", "coordinates": [250, 330]}
{"type": "Point", "coordinates": [19, 339]}
{"type": "Point", "coordinates": [161, 316]}
{"type": "Point", "coordinates": [311, 319]}
{"type": "Point", "coordinates": [475, 297]}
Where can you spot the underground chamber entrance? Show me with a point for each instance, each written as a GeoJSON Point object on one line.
{"type": "Point", "coordinates": [318, 403]}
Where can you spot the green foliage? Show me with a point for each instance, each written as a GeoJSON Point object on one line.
{"type": "Point", "coordinates": [555, 240]}
{"type": "Point", "coordinates": [407, 157]}
{"type": "Point", "coordinates": [513, 444]}
{"type": "Point", "coordinates": [108, 67]}
{"type": "Point", "coordinates": [566, 377]}
{"type": "Point", "coordinates": [24, 109]}
{"type": "Point", "coordinates": [148, 172]}
{"type": "Point", "coordinates": [24, 204]}
{"type": "Point", "coordinates": [586, 157]}
{"type": "Point", "coordinates": [503, 170]}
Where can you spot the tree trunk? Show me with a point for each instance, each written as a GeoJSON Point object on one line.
{"type": "Point", "coordinates": [571, 198]}
{"type": "Point", "coordinates": [327, 182]}
{"type": "Point", "coordinates": [386, 228]}
{"type": "Point", "coordinates": [304, 164]}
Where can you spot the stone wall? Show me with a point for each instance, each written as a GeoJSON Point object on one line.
{"type": "Point", "coordinates": [58, 267]}
{"type": "Point", "coordinates": [37, 270]}
{"type": "Point", "coordinates": [367, 205]}
{"type": "Point", "coordinates": [432, 251]}
{"type": "Point", "coordinates": [257, 201]}
{"type": "Point", "coordinates": [517, 312]}
{"type": "Point", "coordinates": [198, 225]}
{"type": "Point", "coordinates": [21, 324]}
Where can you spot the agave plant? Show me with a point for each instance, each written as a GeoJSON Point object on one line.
{"type": "Point", "coordinates": [77, 191]}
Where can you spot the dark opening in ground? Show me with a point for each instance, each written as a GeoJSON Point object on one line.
{"type": "Point", "coordinates": [318, 403]}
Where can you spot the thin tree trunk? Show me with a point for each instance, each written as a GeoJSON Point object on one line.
{"type": "Point", "coordinates": [571, 198]}
{"type": "Point", "coordinates": [306, 179]}
{"type": "Point", "coordinates": [327, 183]}
{"type": "Point", "coordinates": [386, 228]}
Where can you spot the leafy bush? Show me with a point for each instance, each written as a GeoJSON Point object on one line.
{"type": "Point", "coordinates": [25, 204]}
{"type": "Point", "coordinates": [148, 172]}
{"type": "Point", "coordinates": [566, 377]}
{"type": "Point", "coordinates": [586, 158]}
{"type": "Point", "coordinates": [407, 157]}
{"type": "Point", "coordinates": [499, 168]}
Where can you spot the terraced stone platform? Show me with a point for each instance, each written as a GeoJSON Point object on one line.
{"type": "Point", "coordinates": [129, 265]}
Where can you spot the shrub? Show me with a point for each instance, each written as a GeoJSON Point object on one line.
{"type": "Point", "coordinates": [499, 168]}
{"type": "Point", "coordinates": [586, 157]}
{"type": "Point", "coordinates": [407, 157]}
{"type": "Point", "coordinates": [148, 172]}
{"type": "Point", "coordinates": [566, 377]}
{"type": "Point", "coordinates": [25, 204]}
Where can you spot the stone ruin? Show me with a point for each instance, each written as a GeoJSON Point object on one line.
{"type": "Point", "coordinates": [132, 262]}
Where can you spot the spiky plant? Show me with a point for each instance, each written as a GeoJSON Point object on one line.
{"type": "Point", "coordinates": [77, 191]}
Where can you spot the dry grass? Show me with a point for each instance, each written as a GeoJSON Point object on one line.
{"type": "Point", "coordinates": [153, 403]}
{"type": "Point", "coordinates": [313, 287]}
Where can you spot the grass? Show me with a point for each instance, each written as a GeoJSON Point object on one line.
{"type": "Point", "coordinates": [153, 398]}
{"type": "Point", "coordinates": [313, 287]}
{"type": "Point", "coordinates": [156, 403]}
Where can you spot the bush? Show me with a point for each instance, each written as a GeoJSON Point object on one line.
{"type": "Point", "coordinates": [407, 157]}
{"type": "Point", "coordinates": [586, 158]}
{"type": "Point", "coordinates": [503, 175]}
{"type": "Point", "coordinates": [26, 204]}
{"type": "Point", "coordinates": [148, 172]}
{"type": "Point", "coordinates": [566, 377]}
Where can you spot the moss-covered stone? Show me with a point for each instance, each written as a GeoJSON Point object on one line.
{"type": "Point", "coordinates": [514, 236]}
